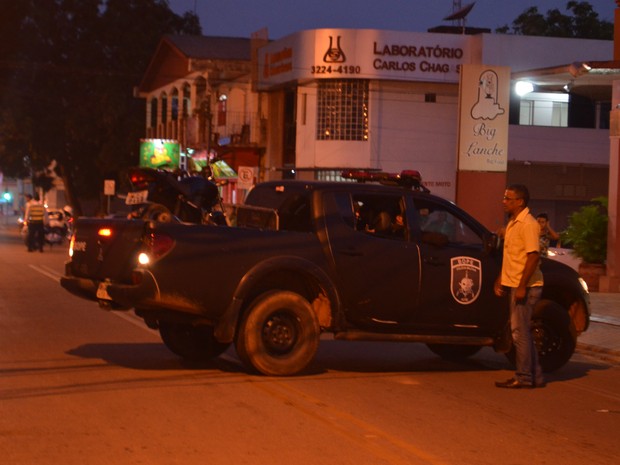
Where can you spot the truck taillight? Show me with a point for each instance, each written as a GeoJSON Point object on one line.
{"type": "Point", "coordinates": [104, 232]}
{"type": "Point", "coordinates": [156, 246]}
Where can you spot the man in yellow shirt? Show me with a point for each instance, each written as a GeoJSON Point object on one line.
{"type": "Point", "coordinates": [36, 218]}
{"type": "Point", "coordinates": [522, 278]}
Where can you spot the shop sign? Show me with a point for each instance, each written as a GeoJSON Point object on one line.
{"type": "Point", "coordinates": [483, 118]}
{"type": "Point", "coordinates": [363, 54]}
{"type": "Point", "coordinates": [159, 153]}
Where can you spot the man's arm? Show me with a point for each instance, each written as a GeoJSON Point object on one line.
{"type": "Point", "coordinates": [530, 267]}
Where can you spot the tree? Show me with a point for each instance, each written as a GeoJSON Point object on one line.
{"type": "Point", "coordinates": [584, 23]}
{"type": "Point", "coordinates": [66, 86]}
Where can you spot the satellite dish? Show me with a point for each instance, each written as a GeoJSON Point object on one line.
{"type": "Point", "coordinates": [460, 13]}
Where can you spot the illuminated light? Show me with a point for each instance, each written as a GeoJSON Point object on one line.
{"type": "Point", "coordinates": [105, 232]}
{"type": "Point", "coordinates": [523, 88]}
{"type": "Point", "coordinates": [71, 244]}
{"type": "Point", "coordinates": [157, 245]}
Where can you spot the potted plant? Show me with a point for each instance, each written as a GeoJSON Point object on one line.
{"type": "Point", "coordinates": [587, 235]}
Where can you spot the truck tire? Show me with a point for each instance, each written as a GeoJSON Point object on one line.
{"type": "Point", "coordinates": [454, 352]}
{"type": "Point", "coordinates": [554, 335]}
{"type": "Point", "coordinates": [279, 334]}
{"type": "Point", "coordinates": [194, 343]}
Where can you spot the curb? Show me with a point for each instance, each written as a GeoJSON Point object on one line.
{"type": "Point", "coordinates": [603, 353]}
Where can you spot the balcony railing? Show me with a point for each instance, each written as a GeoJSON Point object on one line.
{"type": "Point", "coordinates": [233, 128]}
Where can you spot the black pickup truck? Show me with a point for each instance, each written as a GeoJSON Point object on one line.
{"type": "Point", "coordinates": [362, 261]}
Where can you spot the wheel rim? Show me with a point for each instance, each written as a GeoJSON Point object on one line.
{"type": "Point", "coordinates": [280, 333]}
{"type": "Point", "coordinates": [547, 341]}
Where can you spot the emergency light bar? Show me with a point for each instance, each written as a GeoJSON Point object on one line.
{"type": "Point", "coordinates": [407, 178]}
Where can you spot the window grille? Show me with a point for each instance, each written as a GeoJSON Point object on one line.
{"type": "Point", "coordinates": [342, 110]}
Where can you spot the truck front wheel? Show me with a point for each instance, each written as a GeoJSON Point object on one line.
{"type": "Point", "coordinates": [194, 343]}
{"type": "Point", "coordinates": [279, 334]}
{"type": "Point", "coordinates": [554, 334]}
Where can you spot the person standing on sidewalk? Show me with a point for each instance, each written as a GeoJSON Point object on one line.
{"type": "Point", "coordinates": [522, 278]}
{"type": "Point", "coordinates": [547, 234]}
{"type": "Point", "coordinates": [36, 217]}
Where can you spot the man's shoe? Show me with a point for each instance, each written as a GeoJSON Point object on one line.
{"type": "Point", "coordinates": [514, 383]}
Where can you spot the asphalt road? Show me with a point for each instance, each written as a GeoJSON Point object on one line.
{"type": "Point", "coordinates": [79, 385]}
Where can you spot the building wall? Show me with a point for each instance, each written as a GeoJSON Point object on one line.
{"type": "Point", "coordinates": [559, 189]}
{"type": "Point", "coordinates": [407, 132]}
{"type": "Point", "coordinates": [558, 145]}
{"type": "Point", "coordinates": [524, 53]}
{"type": "Point", "coordinates": [272, 160]}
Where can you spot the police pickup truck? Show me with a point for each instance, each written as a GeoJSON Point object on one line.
{"type": "Point", "coordinates": [363, 261]}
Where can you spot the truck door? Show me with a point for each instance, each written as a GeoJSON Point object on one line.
{"type": "Point", "coordinates": [457, 273]}
{"type": "Point", "coordinates": [376, 266]}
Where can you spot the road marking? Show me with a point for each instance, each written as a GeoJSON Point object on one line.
{"type": "Point", "coordinates": [608, 320]}
{"type": "Point", "coordinates": [134, 320]}
{"type": "Point", "coordinates": [45, 271]}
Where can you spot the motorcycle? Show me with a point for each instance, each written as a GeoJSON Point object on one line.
{"type": "Point", "coordinates": [166, 196]}
{"type": "Point", "coordinates": [59, 226]}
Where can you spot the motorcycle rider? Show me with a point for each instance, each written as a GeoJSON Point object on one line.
{"type": "Point", "coordinates": [36, 218]}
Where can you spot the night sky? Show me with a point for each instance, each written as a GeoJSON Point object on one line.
{"type": "Point", "coordinates": [239, 18]}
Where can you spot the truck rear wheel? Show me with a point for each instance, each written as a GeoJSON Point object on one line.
{"type": "Point", "coordinates": [279, 334]}
{"type": "Point", "coordinates": [195, 343]}
{"type": "Point", "coordinates": [554, 335]}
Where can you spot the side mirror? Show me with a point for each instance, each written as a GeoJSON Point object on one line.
{"type": "Point", "coordinates": [492, 243]}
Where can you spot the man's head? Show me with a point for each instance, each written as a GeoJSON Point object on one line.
{"type": "Point", "coordinates": [515, 199]}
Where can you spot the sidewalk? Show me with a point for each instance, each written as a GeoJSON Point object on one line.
{"type": "Point", "coordinates": [603, 336]}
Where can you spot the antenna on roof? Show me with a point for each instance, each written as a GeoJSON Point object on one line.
{"type": "Point", "coordinates": [459, 13]}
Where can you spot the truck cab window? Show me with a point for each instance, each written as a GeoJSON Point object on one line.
{"type": "Point", "coordinates": [295, 214]}
{"type": "Point", "coordinates": [373, 214]}
{"type": "Point", "coordinates": [437, 220]}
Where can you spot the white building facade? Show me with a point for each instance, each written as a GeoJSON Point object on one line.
{"type": "Point", "coordinates": [387, 100]}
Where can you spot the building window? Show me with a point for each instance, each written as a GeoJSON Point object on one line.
{"type": "Point", "coordinates": [331, 175]}
{"type": "Point", "coordinates": [544, 109]}
{"type": "Point", "coordinates": [342, 110]}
